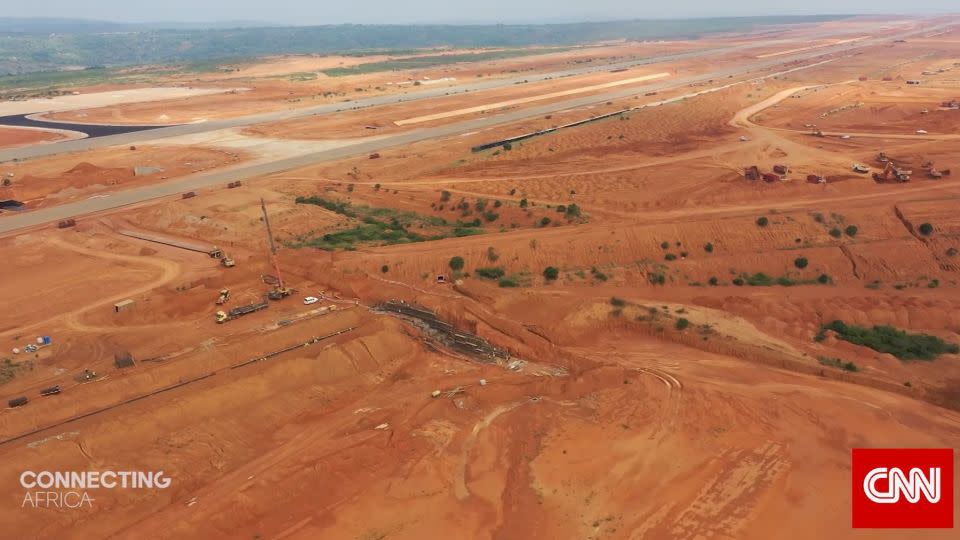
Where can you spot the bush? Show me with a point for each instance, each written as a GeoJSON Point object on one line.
{"type": "Point", "coordinates": [508, 282]}
{"type": "Point", "coordinates": [491, 216]}
{"type": "Point", "coordinates": [491, 272]}
{"type": "Point", "coordinates": [497, 204]}
{"type": "Point", "coordinates": [683, 254]}
{"type": "Point", "coordinates": [835, 232]}
{"type": "Point", "coordinates": [713, 281]}
{"type": "Point", "coordinates": [561, 209]}
{"type": "Point", "coordinates": [738, 282]}
{"type": "Point", "coordinates": [444, 196]}
{"type": "Point", "coordinates": [456, 263]}
{"type": "Point", "coordinates": [851, 230]}
{"type": "Point", "coordinates": [492, 254]}
{"type": "Point", "coordinates": [550, 273]}
{"type": "Point", "coordinates": [573, 211]}
{"type": "Point", "coordinates": [544, 221]}
{"type": "Point", "coordinates": [384, 269]}
{"type": "Point", "coordinates": [656, 278]}
{"type": "Point", "coordinates": [823, 279]}
{"type": "Point", "coordinates": [763, 221]}
{"type": "Point", "coordinates": [837, 363]}
{"type": "Point", "coordinates": [708, 248]}
{"type": "Point", "coordinates": [887, 339]}
{"type": "Point", "coordinates": [682, 324]}
{"type": "Point", "coordinates": [670, 257]}
{"type": "Point", "coordinates": [617, 302]}
{"type": "Point", "coordinates": [376, 187]}
{"type": "Point", "coordinates": [926, 229]}
{"type": "Point", "coordinates": [523, 203]}
{"type": "Point", "coordinates": [507, 146]}
{"type": "Point", "coordinates": [952, 252]}
{"type": "Point", "coordinates": [664, 245]}
{"type": "Point", "coordinates": [800, 262]}
{"type": "Point", "coordinates": [598, 274]}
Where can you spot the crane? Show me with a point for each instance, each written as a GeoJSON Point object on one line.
{"type": "Point", "coordinates": [279, 289]}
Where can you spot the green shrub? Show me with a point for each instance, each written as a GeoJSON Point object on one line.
{"type": "Point", "coordinates": [656, 278]}
{"type": "Point", "coordinates": [490, 272]}
{"type": "Point", "coordinates": [682, 324]}
{"type": "Point", "coordinates": [800, 262]}
{"type": "Point", "coordinates": [456, 263]}
{"type": "Point", "coordinates": [384, 269]}
{"type": "Point", "coordinates": [823, 279]}
{"type": "Point", "coordinates": [838, 363]}
{"type": "Point", "coordinates": [492, 254]}
{"type": "Point", "coordinates": [598, 274]}
{"type": "Point", "coordinates": [617, 302]}
{"type": "Point", "coordinates": [550, 273]}
{"type": "Point", "coordinates": [665, 245]}
{"type": "Point", "coordinates": [444, 196]}
{"type": "Point", "coordinates": [851, 230]}
{"type": "Point", "coordinates": [544, 221]}
{"type": "Point", "coordinates": [573, 211]}
{"type": "Point", "coordinates": [887, 339]}
{"type": "Point", "coordinates": [561, 209]}
{"type": "Point", "coordinates": [836, 233]}
{"type": "Point", "coordinates": [708, 248]}
{"type": "Point", "coordinates": [491, 216]}
{"type": "Point", "coordinates": [926, 229]}
{"type": "Point", "coordinates": [738, 282]}
{"type": "Point", "coordinates": [508, 282]}
{"type": "Point", "coordinates": [763, 221]}
{"type": "Point", "coordinates": [713, 281]}
{"type": "Point", "coordinates": [683, 254]}
{"type": "Point", "coordinates": [670, 257]}
{"type": "Point", "coordinates": [523, 203]}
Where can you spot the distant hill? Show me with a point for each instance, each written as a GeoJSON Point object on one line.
{"type": "Point", "coordinates": [31, 45]}
{"type": "Point", "coordinates": [45, 25]}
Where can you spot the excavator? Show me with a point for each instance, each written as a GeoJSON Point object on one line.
{"type": "Point", "coordinates": [891, 170]}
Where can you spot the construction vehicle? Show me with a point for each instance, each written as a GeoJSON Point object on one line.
{"type": "Point", "coordinates": [891, 170]}
{"type": "Point", "coordinates": [882, 157]}
{"type": "Point", "coordinates": [50, 391]}
{"type": "Point", "coordinates": [224, 296]}
{"type": "Point", "coordinates": [751, 173]}
{"type": "Point", "coordinates": [227, 262]}
{"type": "Point", "coordinates": [780, 169]}
{"type": "Point", "coordinates": [18, 402]}
{"type": "Point", "coordinates": [862, 169]}
{"type": "Point", "coordinates": [224, 316]}
{"type": "Point", "coordinates": [937, 174]}
{"type": "Point", "coordinates": [816, 179]}
{"type": "Point", "coordinates": [279, 290]}
{"type": "Point", "coordinates": [771, 177]}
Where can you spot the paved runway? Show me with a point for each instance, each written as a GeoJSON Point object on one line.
{"type": "Point", "coordinates": [10, 223]}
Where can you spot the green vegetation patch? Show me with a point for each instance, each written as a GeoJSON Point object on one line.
{"type": "Point", "coordinates": [422, 62]}
{"type": "Point", "coordinates": [887, 339]}
{"type": "Point", "coordinates": [378, 226]}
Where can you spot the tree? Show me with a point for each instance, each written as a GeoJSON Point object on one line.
{"type": "Point", "coordinates": [682, 324]}
{"type": "Point", "coordinates": [456, 263]}
{"type": "Point", "coordinates": [573, 211]}
{"type": "Point", "coordinates": [926, 229]}
{"type": "Point", "coordinates": [836, 233]}
{"type": "Point", "coordinates": [800, 262]}
{"type": "Point", "coordinates": [523, 203]}
{"type": "Point", "coordinates": [851, 230]}
{"type": "Point", "coordinates": [713, 281]}
{"type": "Point", "coordinates": [550, 273]}
{"type": "Point", "coordinates": [544, 221]}
{"type": "Point", "coordinates": [664, 245]}
{"type": "Point", "coordinates": [444, 196]}
{"type": "Point", "coordinates": [823, 279]}
{"type": "Point", "coordinates": [384, 269]}
{"type": "Point", "coordinates": [763, 221]}
{"type": "Point", "coordinates": [708, 248]}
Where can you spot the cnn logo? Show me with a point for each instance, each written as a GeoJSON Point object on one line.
{"type": "Point", "coordinates": [902, 488]}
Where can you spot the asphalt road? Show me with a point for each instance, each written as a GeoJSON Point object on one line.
{"type": "Point", "coordinates": [140, 135]}
{"type": "Point", "coordinates": [21, 220]}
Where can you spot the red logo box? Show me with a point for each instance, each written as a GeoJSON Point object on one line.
{"type": "Point", "coordinates": [903, 488]}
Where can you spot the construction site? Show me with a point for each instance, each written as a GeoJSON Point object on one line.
{"type": "Point", "coordinates": [630, 290]}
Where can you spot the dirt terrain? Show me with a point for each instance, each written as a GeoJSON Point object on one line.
{"type": "Point", "coordinates": [13, 137]}
{"type": "Point", "coordinates": [645, 353]}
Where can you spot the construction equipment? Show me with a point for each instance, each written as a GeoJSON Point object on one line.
{"type": "Point", "coordinates": [224, 316]}
{"type": "Point", "coordinates": [224, 296]}
{"type": "Point", "coordinates": [937, 174]}
{"type": "Point", "coordinates": [858, 168]}
{"type": "Point", "coordinates": [882, 157]}
{"type": "Point", "coordinates": [816, 179]}
{"type": "Point", "coordinates": [50, 391]}
{"type": "Point", "coordinates": [780, 169]}
{"type": "Point", "coordinates": [18, 402]}
{"type": "Point", "coordinates": [771, 177]}
{"type": "Point", "coordinates": [751, 173]}
{"type": "Point", "coordinates": [227, 262]}
{"type": "Point", "coordinates": [279, 290]}
{"type": "Point", "coordinates": [891, 170]}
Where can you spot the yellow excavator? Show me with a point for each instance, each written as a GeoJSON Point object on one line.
{"type": "Point", "coordinates": [224, 296]}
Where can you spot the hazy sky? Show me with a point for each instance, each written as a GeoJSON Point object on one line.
{"type": "Point", "coordinates": [408, 11]}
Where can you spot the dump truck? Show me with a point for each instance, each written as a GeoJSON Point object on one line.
{"type": "Point", "coordinates": [224, 316]}
{"type": "Point", "coordinates": [858, 168]}
{"type": "Point", "coordinates": [18, 402]}
{"type": "Point", "coordinates": [52, 390]}
{"type": "Point", "coordinates": [780, 169]}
